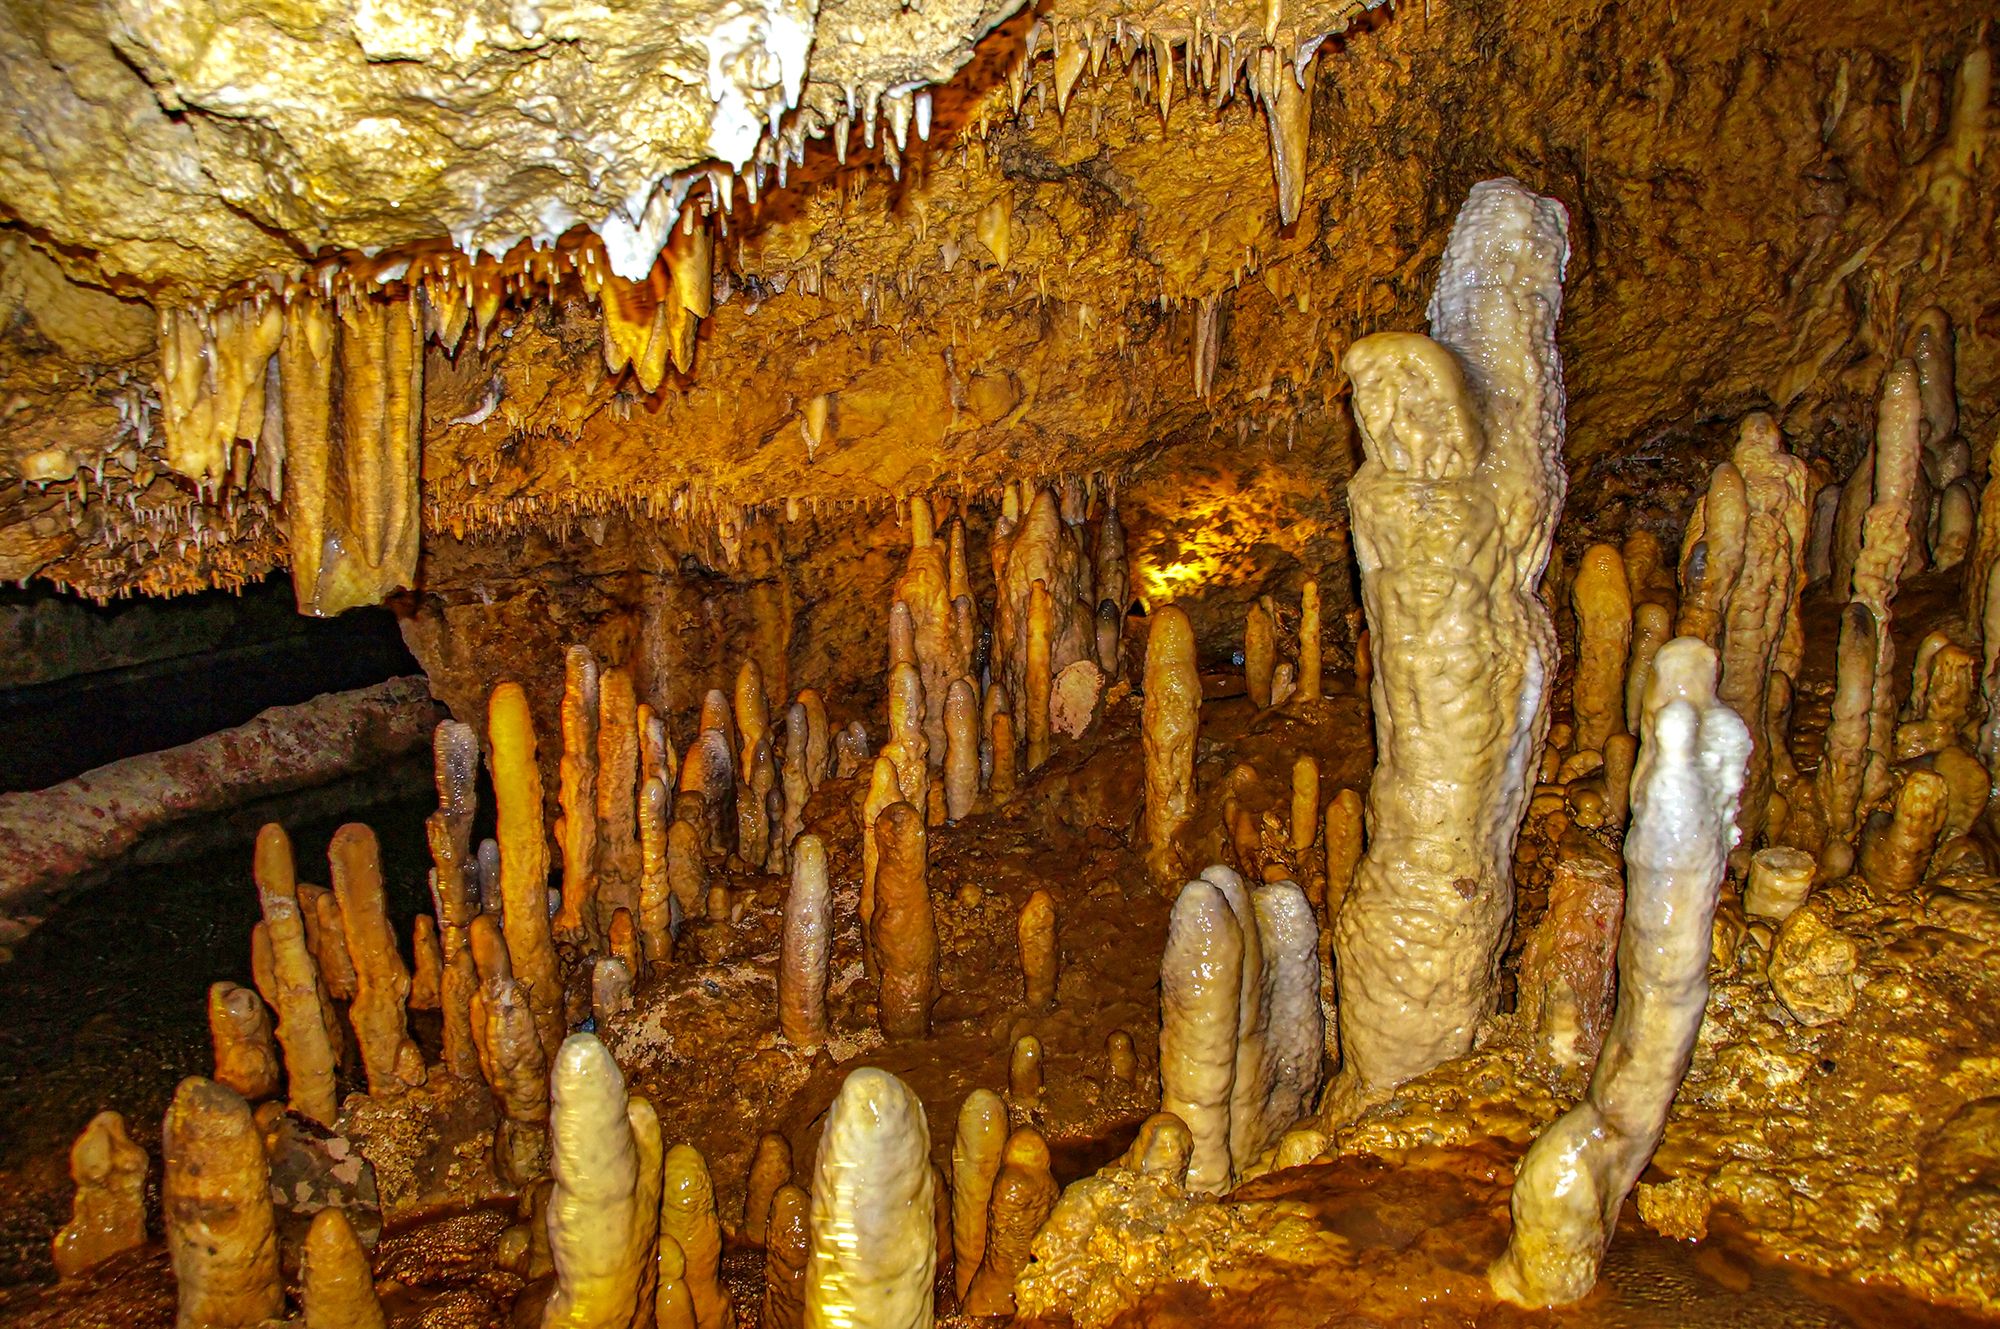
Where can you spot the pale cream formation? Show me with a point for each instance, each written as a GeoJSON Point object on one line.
{"type": "Point", "coordinates": [1453, 511]}
{"type": "Point", "coordinates": [215, 1192]}
{"type": "Point", "coordinates": [108, 1216]}
{"type": "Point", "coordinates": [807, 947]}
{"type": "Point", "coordinates": [874, 1238]}
{"type": "Point", "coordinates": [1201, 972]}
{"type": "Point", "coordinates": [1886, 546]}
{"type": "Point", "coordinates": [1569, 1188]}
{"type": "Point", "coordinates": [1289, 935]}
{"type": "Point", "coordinates": [594, 1208]}
{"type": "Point", "coordinates": [1168, 723]}
{"type": "Point", "coordinates": [1250, 1086]}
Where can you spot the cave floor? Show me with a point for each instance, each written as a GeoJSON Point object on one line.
{"type": "Point", "coordinates": [1394, 1228]}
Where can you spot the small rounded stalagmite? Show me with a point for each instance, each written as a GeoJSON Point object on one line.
{"type": "Point", "coordinates": [975, 1161]}
{"type": "Point", "coordinates": [1024, 1194]}
{"type": "Point", "coordinates": [785, 1260]}
{"type": "Point", "coordinates": [1121, 1057]}
{"type": "Point", "coordinates": [770, 1169]}
{"type": "Point", "coordinates": [339, 1281]}
{"type": "Point", "coordinates": [108, 1216]}
{"type": "Point", "coordinates": [1260, 655]}
{"type": "Point", "coordinates": [1024, 1073]}
{"type": "Point", "coordinates": [239, 1027]}
{"type": "Point", "coordinates": [1780, 879]}
{"type": "Point", "coordinates": [687, 1215]}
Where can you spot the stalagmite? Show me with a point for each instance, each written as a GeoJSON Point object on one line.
{"type": "Point", "coordinates": [1289, 936]}
{"type": "Point", "coordinates": [687, 873]}
{"type": "Point", "coordinates": [1024, 1074]}
{"type": "Point", "coordinates": [1036, 934]}
{"type": "Point", "coordinates": [108, 1215]}
{"type": "Point", "coordinates": [1168, 724]}
{"type": "Point", "coordinates": [518, 1070]}
{"type": "Point", "coordinates": [883, 791]}
{"type": "Point", "coordinates": [1762, 610]}
{"type": "Point", "coordinates": [1201, 974]}
{"type": "Point", "coordinates": [975, 1161]}
{"type": "Point", "coordinates": [924, 595]}
{"type": "Point", "coordinates": [673, 1308]}
{"type": "Point", "coordinates": [753, 711]}
{"type": "Point", "coordinates": [656, 896]}
{"type": "Point", "coordinates": [1309, 643]}
{"type": "Point", "coordinates": [393, 1062]}
{"type": "Point", "coordinates": [576, 828]}
{"type": "Point", "coordinates": [902, 927]}
{"type": "Point", "coordinates": [710, 771]}
{"type": "Point", "coordinates": [1570, 1187]}
{"type": "Point", "coordinates": [753, 806]}
{"type": "Point", "coordinates": [1343, 847]}
{"type": "Point", "coordinates": [593, 1210]}
{"type": "Point", "coordinates": [1780, 879]}
{"type": "Point", "coordinates": [874, 1239]}
{"type": "Point", "coordinates": [622, 940]}
{"type": "Point", "coordinates": [1621, 751]}
{"type": "Point", "coordinates": [1886, 546]}
{"type": "Point", "coordinates": [239, 1028]}
{"type": "Point", "coordinates": [1038, 676]}
{"type": "Point", "coordinates": [687, 1214]}
{"type": "Point", "coordinates": [1652, 626]}
{"type": "Point", "coordinates": [1255, 1072]}
{"type": "Point", "coordinates": [1603, 605]}
{"type": "Point", "coordinates": [304, 1013]}
{"type": "Point", "coordinates": [1453, 511]}
{"type": "Point", "coordinates": [1260, 655]}
{"type": "Point", "coordinates": [961, 750]}
{"type": "Point", "coordinates": [770, 1170]}
{"type": "Point", "coordinates": [807, 948]}
{"type": "Point", "coordinates": [524, 860]}
{"type": "Point", "coordinates": [1000, 742]}
{"type": "Point", "coordinates": [454, 890]}
{"type": "Point", "coordinates": [427, 965]}
{"type": "Point", "coordinates": [615, 881]}
{"type": "Point", "coordinates": [1305, 802]}
{"type": "Point", "coordinates": [1844, 762]}
{"type": "Point", "coordinates": [1894, 860]}
{"type": "Point", "coordinates": [1712, 555]}
{"type": "Point", "coordinates": [215, 1193]}
{"type": "Point", "coordinates": [819, 751]}
{"type": "Point", "coordinates": [338, 1280]}
{"type": "Point", "coordinates": [785, 1247]}
{"type": "Point", "coordinates": [795, 776]}
{"type": "Point", "coordinates": [907, 747]}
{"type": "Point", "coordinates": [610, 990]}
{"type": "Point", "coordinates": [328, 933]}
{"type": "Point", "coordinates": [1024, 1194]}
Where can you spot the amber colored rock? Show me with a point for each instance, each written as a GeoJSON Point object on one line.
{"type": "Point", "coordinates": [1024, 1073]}
{"type": "Point", "coordinates": [1568, 977]}
{"type": "Point", "coordinates": [1168, 724]}
{"type": "Point", "coordinates": [785, 1251]}
{"type": "Point", "coordinates": [108, 1215]}
{"type": "Point", "coordinates": [687, 1215]}
{"type": "Point", "coordinates": [306, 1021]}
{"type": "Point", "coordinates": [524, 860]}
{"type": "Point", "coordinates": [904, 931]}
{"type": "Point", "coordinates": [215, 1194]}
{"type": "Point", "coordinates": [427, 974]}
{"type": "Point", "coordinates": [239, 1027]}
{"type": "Point", "coordinates": [338, 1279]}
{"type": "Point", "coordinates": [770, 1171]}
{"type": "Point", "coordinates": [382, 985]}
{"type": "Point", "coordinates": [576, 773]}
{"type": "Point", "coordinates": [1812, 968]}
{"type": "Point", "coordinates": [1603, 605]}
{"type": "Point", "coordinates": [975, 1161]}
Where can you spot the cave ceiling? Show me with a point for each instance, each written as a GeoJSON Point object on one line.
{"type": "Point", "coordinates": [695, 263]}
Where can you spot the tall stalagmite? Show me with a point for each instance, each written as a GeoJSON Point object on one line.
{"type": "Point", "coordinates": [1453, 513]}
{"type": "Point", "coordinates": [1168, 722]}
{"type": "Point", "coordinates": [874, 1238]}
{"type": "Point", "coordinates": [1570, 1187]}
{"type": "Point", "coordinates": [524, 860]}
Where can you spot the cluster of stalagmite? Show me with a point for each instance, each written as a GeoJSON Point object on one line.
{"type": "Point", "coordinates": [1241, 1026]}
{"type": "Point", "coordinates": [1570, 1187]}
{"type": "Point", "coordinates": [1453, 511]}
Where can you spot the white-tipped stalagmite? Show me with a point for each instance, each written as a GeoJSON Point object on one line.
{"type": "Point", "coordinates": [1603, 605]}
{"type": "Point", "coordinates": [1167, 726]}
{"type": "Point", "coordinates": [576, 828]}
{"type": "Point", "coordinates": [593, 1209]}
{"type": "Point", "coordinates": [215, 1194]}
{"type": "Point", "coordinates": [1570, 1187]}
{"type": "Point", "coordinates": [1201, 975]}
{"type": "Point", "coordinates": [807, 947]}
{"type": "Point", "coordinates": [873, 1255]}
{"type": "Point", "coordinates": [1453, 512]}
{"type": "Point", "coordinates": [975, 1161]}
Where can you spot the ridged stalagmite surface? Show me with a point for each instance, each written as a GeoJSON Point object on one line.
{"type": "Point", "coordinates": [305, 1015]}
{"type": "Point", "coordinates": [108, 1215]}
{"type": "Point", "coordinates": [524, 860]}
{"type": "Point", "coordinates": [1168, 722]}
{"type": "Point", "coordinates": [1570, 1187]}
{"type": "Point", "coordinates": [594, 1208]}
{"type": "Point", "coordinates": [382, 984]}
{"type": "Point", "coordinates": [806, 947]}
{"type": "Point", "coordinates": [239, 1028]}
{"type": "Point", "coordinates": [1200, 978]}
{"type": "Point", "coordinates": [1453, 512]}
{"type": "Point", "coordinates": [576, 828]}
{"type": "Point", "coordinates": [874, 1238]}
{"type": "Point", "coordinates": [904, 930]}
{"type": "Point", "coordinates": [975, 1161]}
{"type": "Point", "coordinates": [215, 1191]}
{"type": "Point", "coordinates": [687, 1215]}
{"type": "Point", "coordinates": [338, 1280]}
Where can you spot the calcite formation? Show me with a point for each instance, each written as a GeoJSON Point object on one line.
{"type": "Point", "coordinates": [1453, 510]}
{"type": "Point", "coordinates": [215, 1190]}
{"type": "Point", "coordinates": [873, 1241]}
{"type": "Point", "coordinates": [108, 1216]}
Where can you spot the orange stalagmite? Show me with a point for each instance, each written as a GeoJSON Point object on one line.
{"type": "Point", "coordinates": [108, 1216]}
{"type": "Point", "coordinates": [524, 860]}
{"type": "Point", "coordinates": [905, 932]}
{"type": "Point", "coordinates": [576, 829]}
{"type": "Point", "coordinates": [239, 1027]}
{"type": "Point", "coordinates": [1168, 723]}
{"type": "Point", "coordinates": [215, 1194]}
{"type": "Point", "coordinates": [306, 1025]}
{"type": "Point", "coordinates": [382, 984]}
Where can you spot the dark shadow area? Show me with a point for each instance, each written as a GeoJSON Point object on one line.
{"type": "Point", "coordinates": [92, 684]}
